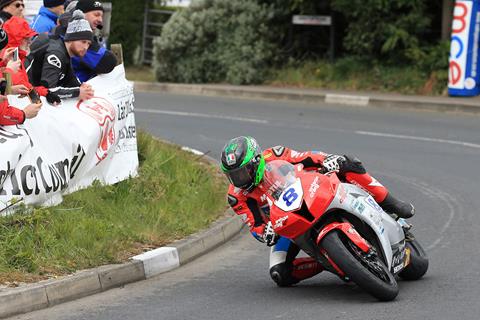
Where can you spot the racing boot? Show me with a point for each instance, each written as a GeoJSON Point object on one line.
{"type": "Point", "coordinates": [303, 268]}
{"type": "Point", "coordinates": [406, 229]}
{"type": "Point", "coordinates": [401, 209]}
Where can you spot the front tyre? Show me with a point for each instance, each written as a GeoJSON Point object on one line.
{"type": "Point", "coordinates": [367, 270]}
{"type": "Point", "coordinates": [418, 265]}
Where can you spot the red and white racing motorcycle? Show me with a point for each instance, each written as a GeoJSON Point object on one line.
{"type": "Point", "coordinates": [342, 227]}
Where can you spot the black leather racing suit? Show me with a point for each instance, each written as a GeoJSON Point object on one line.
{"type": "Point", "coordinates": [53, 70]}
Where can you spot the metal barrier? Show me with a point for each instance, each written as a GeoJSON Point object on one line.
{"type": "Point", "coordinates": [152, 28]}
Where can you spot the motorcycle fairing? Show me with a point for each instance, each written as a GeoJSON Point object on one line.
{"type": "Point", "coordinates": [356, 201]}
{"type": "Point", "coordinates": [323, 194]}
{"type": "Point", "coordinates": [317, 193]}
{"type": "Point", "coordinates": [401, 257]}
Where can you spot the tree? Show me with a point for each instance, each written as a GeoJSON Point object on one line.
{"type": "Point", "coordinates": [447, 14]}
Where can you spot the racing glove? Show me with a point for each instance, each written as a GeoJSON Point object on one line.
{"type": "Point", "coordinates": [332, 163]}
{"type": "Point", "coordinates": [269, 235]}
{"type": "Point", "coordinates": [53, 98]}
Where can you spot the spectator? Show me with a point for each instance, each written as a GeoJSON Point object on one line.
{"type": "Point", "coordinates": [9, 8]}
{"type": "Point", "coordinates": [48, 15]}
{"type": "Point", "coordinates": [61, 28]}
{"type": "Point", "coordinates": [98, 60]}
{"type": "Point", "coordinates": [52, 68]}
{"type": "Point", "coordinates": [10, 115]}
{"type": "Point", "coordinates": [20, 36]}
{"type": "Point", "coordinates": [70, 5]}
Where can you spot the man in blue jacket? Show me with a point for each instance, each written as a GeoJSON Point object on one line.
{"type": "Point", "coordinates": [48, 15]}
{"type": "Point", "coordinates": [98, 59]}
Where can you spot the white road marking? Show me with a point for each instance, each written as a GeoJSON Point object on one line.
{"type": "Point", "coordinates": [194, 151]}
{"type": "Point", "coordinates": [199, 115]}
{"type": "Point", "coordinates": [347, 99]}
{"type": "Point", "coordinates": [454, 207]}
{"type": "Point", "coordinates": [400, 136]}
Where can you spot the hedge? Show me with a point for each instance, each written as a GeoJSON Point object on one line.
{"type": "Point", "coordinates": [216, 41]}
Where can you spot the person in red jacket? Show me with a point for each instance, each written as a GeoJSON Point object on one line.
{"type": "Point", "coordinates": [20, 36]}
{"type": "Point", "coordinates": [243, 162]}
{"type": "Point", "coordinates": [10, 115]}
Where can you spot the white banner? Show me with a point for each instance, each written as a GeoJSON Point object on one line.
{"type": "Point", "coordinates": [68, 147]}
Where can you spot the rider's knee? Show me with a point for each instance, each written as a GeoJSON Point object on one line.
{"type": "Point", "coordinates": [281, 274]}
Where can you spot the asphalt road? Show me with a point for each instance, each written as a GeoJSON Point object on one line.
{"type": "Point", "coordinates": [431, 159]}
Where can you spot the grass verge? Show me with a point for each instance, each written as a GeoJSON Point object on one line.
{"type": "Point", "coordinates": [140, 73]}
{"type": "Point", "coordinates": [175, 194]}
{"type": "Point", "coordinates": [359, 75]}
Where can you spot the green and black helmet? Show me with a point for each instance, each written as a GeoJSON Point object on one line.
{"type": "Point", "coordinates": [243, 162]}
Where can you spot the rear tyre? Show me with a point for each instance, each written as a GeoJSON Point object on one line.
{"type": "Point", "coordinates": [367, 270]}
{"type": "Point", "coordinates": [418, 265]}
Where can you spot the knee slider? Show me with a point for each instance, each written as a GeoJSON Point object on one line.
{"type": "Point", "coordinates": [351, 164]}
{"type": "Point", "coordinates": [281, 275]}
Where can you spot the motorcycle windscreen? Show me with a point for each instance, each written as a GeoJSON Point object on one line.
{"type": "Point", "coordinates": [279, 175]}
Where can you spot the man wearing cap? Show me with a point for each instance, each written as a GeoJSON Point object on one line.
{"type": "Point", "coordinates": [54, 71]}
{"type": "Point", "coordinates": [48, 15]}
{"type": "Point", "coordinates": [98, 60]}
{"type": "Point", "coordinates": [10, 8]}
{"type": "Point", "coordinates": [61, 28]}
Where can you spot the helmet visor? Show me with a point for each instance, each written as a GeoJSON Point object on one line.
{"type": "Point", "coordinates": [242, 177]}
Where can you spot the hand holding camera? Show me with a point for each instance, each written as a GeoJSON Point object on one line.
{"type": "Point", "coordinates": [31, 111]}
{"type": "Point", "coordinates": [34, 96]}
{"type": "Point", "coordinates": [20, 90]}
{"type": "Point", "coordinates": [14, 65]}
{"type": "Point", "coordinates": [8, 54]}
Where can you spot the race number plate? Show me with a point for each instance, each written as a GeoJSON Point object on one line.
{"type": "Point", "coordinates": [291, 198]}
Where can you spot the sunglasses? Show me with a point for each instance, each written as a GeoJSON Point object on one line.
{"type": "Point", "coordinates": [19, 4]}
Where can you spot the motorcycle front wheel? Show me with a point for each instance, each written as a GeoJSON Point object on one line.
{"type": "Point", "coordinates": [367, 270]}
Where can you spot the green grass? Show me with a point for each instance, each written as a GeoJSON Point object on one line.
{"type": "Point", "coordinates": [140, 73]}
{"type": "Point", "coordinates": [345, 74]}
{"type": "Point", "coordinates": [357, 75]}
{"type": "Point", "coordinates": [176, 194]}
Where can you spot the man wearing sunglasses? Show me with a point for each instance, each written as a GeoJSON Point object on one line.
{"type": "Point", "coordinates": [10, 8]}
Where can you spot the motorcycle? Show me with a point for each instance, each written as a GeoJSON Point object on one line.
{"type": "Point", "coordinates": [343, 227]}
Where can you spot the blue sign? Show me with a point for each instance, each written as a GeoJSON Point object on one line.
{"type": "Point", "coordinates": [463, 76]}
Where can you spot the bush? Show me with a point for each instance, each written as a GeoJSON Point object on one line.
{"type": "Point", "coordinates": [431, 58]}
{"type": "Point", "coordinates": [216, 41]}
{"type": "Point", "coordinates": [386, 30]}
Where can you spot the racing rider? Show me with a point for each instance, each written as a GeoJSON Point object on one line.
{"type": "Point", "coordinates": [243, 162]}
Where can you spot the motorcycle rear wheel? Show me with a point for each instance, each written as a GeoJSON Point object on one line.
{"type": "Point", "coordinates": [369, 273]}
{"type": "Point", "coordinates": [418, 262]}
